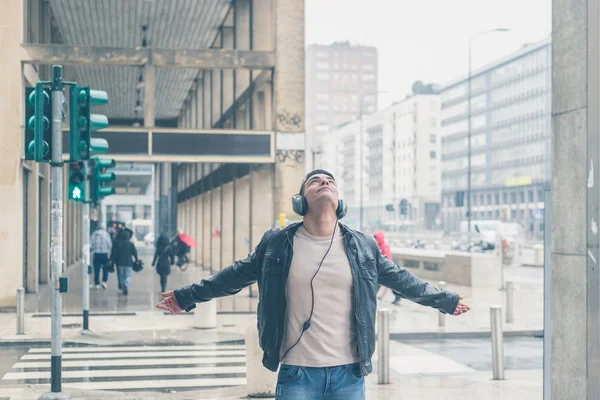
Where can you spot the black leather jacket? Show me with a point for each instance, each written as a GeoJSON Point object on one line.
{"type": "Point", "coordinates": [270, 265]}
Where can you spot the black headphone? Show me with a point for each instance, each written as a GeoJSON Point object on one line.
{"type": "Point", "coordinates": [300, 206]}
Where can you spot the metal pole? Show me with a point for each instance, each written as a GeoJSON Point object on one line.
{"type": "Point", "coordinates": [383, 346]}
{"type": "Point", "coordinates": [56, 223]}
{"type": "Point", "coordinates": [86, 264]}
{"type": "Point", "coordinates": [469, 147]}
{"type": "Point", "coordinates": [497, 342]}
{"type": "Point", "coordinates": [360, 171]}
{"type": "Point", "coordinates": [509, 302]}
{"type": "Point", "coordinates": [442, 316]}
{"type": "Point", "coordinates": [20, 311]}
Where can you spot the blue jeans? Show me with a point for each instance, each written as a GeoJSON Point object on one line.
{"type": "Point", "coordinates": [330, 383]}
{"type": "Point", "coordinates": [125, 274]}
{"type": "Point", "coordinates": [100, 260]}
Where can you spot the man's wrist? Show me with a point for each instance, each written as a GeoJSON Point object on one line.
{"type": "Point", "coordinates": [185, 298]}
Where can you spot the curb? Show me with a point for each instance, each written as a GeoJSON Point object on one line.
{"type": "Point", "coordinates": [539, 333]}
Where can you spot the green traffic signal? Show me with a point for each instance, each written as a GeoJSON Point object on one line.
{"type": "Point", "coordinates": [38, 133]}
{"type": "Point", "coordinates": [77, 176]}
{"type": "Point", "coordinates": [83, 123]}
{"type": "Point", "coordinates": [101, 178]}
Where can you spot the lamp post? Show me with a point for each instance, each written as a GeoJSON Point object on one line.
{"type": "Point", "coordinates": [360, 134]}
{"type": "Point", "coordinates": [469, 125]}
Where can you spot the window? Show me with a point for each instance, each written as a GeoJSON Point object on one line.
{"type": "Point", "coordinates": [147, 212]}
{"type": "Point", "coordinates": [497, 198]}
{"type": "Point", "coordinates": [531, 196]}
{"type": "Point", "coordinates": [432, 138]}
{"type": "Point", "coordinates": [513, 198]}
{"type": "Point", "coordinates": [369, 67]}
{"type": "Point", "coordinates": [432, 154]}
{"type": "Point", "coordinates": [433, 122]}
{"type": "Point", "coordinates": [322, 65]}
{"type": "Point", "coordinates": [322, 76]}
{"type": "Point", "coordinates": [368, 77]}
{"type": "Point", "coordinates": [522, 195]}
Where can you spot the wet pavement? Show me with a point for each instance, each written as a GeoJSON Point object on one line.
{"type": "Point", "coordinates": [519, 353]}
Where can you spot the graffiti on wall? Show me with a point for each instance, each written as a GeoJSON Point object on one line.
{"type": "Point", "coordinates": [289, 119]}
{"type": "Point", "coordinates": [296, 156]}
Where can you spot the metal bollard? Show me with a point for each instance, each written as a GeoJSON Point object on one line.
{"type": "Point", "coordinates": [497, 342]}
{"type": "Point", "coordinates": [510, 305]}
{"type": "Point", "coordinates": [442, 316]}
{"type": "Point", "coordinates": [20, 311]}
{"type": "Point", "coordinates": [383, 347]}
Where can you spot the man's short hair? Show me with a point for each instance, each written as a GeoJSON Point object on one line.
{"type": "Point", "coordinates": [313, 173]}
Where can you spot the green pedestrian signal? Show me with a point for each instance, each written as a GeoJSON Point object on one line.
{"type": "Point", "coordinates": [77, 177]}
{"type": "Point", "coordinates": [83, 123]}
{"type": "Point", "coordinates": [38, 132]}
{"type": "Point", "coordinates": [101, 178]}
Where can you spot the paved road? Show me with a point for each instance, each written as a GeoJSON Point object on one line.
{"type": "Point", "coordinates": [519, 353]}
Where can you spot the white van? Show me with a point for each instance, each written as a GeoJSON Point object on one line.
{"type": "Point", "coordinates": [481, 230]}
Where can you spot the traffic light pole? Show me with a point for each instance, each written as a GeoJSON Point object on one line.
{"type": "Point", "coordinates": [86, 251]}
{"type": "Point", "coordinates": [58, 284]}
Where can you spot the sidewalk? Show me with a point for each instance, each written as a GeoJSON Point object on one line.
{"type": "Point", "coordinates": [415, 373]}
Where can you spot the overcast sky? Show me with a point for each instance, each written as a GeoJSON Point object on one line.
{"type": "Point", "coordinates": [427, 39]}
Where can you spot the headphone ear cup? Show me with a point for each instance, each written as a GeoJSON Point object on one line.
{"type": "Point", "coordinates": [299, 204]}
{"type": "Point", "coordinates": [342, 209]}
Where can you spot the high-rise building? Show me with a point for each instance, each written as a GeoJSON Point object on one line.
{"type": "Point", "coordinates": [338, 78]}
{"type": "Point", "coordinates": [510, 140]}
{"type": "Point", "coordinates": [400, 151]}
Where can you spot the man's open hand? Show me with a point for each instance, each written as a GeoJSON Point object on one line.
{"type": "Point", "coordinates": [170, 303]}
{"type": "Point", "coordinates": [461, 308]}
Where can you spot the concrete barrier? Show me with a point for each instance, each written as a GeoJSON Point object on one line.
{"type": "Point", "coordinates": [260, 381]}
{"type": "Point", "coordinates": [467, 269]}
{"type": "Point", "coordinates": [205, 315]}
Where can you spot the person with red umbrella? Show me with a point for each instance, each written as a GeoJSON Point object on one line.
{"type": "Point", "coordinates": [183, 244]}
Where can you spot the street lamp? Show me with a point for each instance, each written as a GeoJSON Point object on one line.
{"type": "Point", "coordinates": [360, 134]}
{"type": "Point", "coordinates": [469, 125]}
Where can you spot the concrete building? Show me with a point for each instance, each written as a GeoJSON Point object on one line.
{"type": "Point", "coordinates": [216, 103]}
{"type": "Point", "coordinates": [338, 77]}
{"type": "Point", "coordinates": [400, 151]}
{"type": "Point", "coordinates": [510, 139]}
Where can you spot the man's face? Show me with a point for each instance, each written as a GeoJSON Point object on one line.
{"type": "Point", "coordinates": [320, 189]}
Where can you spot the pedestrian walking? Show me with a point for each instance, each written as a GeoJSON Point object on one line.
{"type": "Point", "coordinates": [101, 247]}
{"type": "Point", "coordinates": [317, 283]}
{"type": "Point", "coordinates": [387, 252]}
{"type": "Point", "coordinates": [163, 259]}
{"type": "Point", "coordinates": [123, 255]}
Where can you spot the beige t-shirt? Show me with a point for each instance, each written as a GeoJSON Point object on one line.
{"type": "Point", "coordinates": [331, 338]}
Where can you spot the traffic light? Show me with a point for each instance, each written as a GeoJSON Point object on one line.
{"type": "Point", "coordinates": [77, 177]}
{"type": "Point", "coordinates": [389, 207]}
{"type": "Point", "coordinates": [83, 123]}
{"type": "Point", "coordinates": [100, 178]}
{"type": "Point", "coordinates": [403, 207]}
{"type": "Point", "coordinates": [38, 132]}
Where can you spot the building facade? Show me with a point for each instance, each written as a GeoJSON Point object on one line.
{"type": "Point", "coordinates": [510, 140]}
{"type": "Point", "coordinates": [400, 152]}
{"type": "Point", "coordinates": [338, 77]}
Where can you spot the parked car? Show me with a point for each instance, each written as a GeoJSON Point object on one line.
{"type": "Point", "coordinates": [149, 239]}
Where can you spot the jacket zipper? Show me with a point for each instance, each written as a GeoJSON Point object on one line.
{"type": "Point", "coordinates": [356, 307]}
{"type": "Point", "coordinates": [285, 294]}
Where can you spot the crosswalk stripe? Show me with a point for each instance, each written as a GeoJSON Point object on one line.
{"type": "Point", "coordinates": [157, 384]}
{"type": "Point", "coordinates": [111, 349]}
{"type": "Point", "coordinates": [133, 362]}
{"type": "Point", "coordinates": [137, 354]}
{"type": "Point", "coordinates": [194, 371]}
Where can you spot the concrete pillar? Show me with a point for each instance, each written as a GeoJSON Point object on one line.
{"type": "Point", "coordinates": [216, 95]}
{"type": "Point", "coordinates": [289, 102]}
{"type": "Point", "coordinates": [260, 381]}
{"type": "Point", "coordinates": [575, 349]}
{"type": "Point", "coordinates": [242, 42]}
{"type": "Point", "coordinates": [262, 203]}
{"type": "Point", "coordinates": [206, 230]}
{"type": "Point", "coordinates": [227, 235]}
{"type": "Point", "coordinates": [205, 315]}
{"type": "Point", "coordinates": [228, 83]}
{"type": "Point", "coordinates": [216, 229]}
{"type": "Point", "coordinates": [149, 96]}
{"type": "Point", "coordinates": [242, 227]}
{"type": "Point", "coordinates": [206, 98]}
